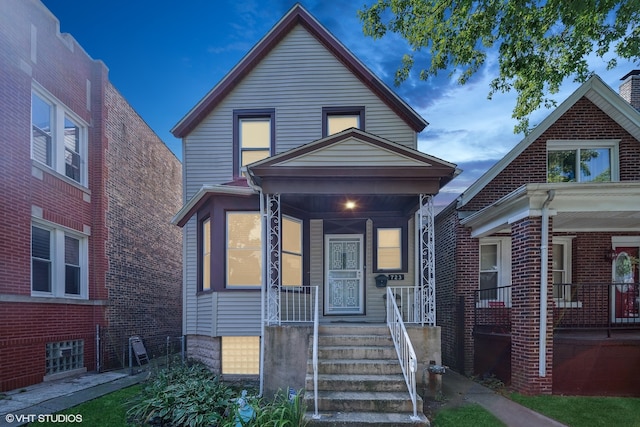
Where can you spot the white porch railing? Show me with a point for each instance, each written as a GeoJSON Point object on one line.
{"type": "Point", "coordinates": [409, 302]}
{"type": "Point", "coordinates": [300, 305]}
{"type": "Point", "coordinates": [404, 348]}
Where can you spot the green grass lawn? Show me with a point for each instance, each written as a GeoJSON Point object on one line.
{"type": "Point", "coordinates": [577, 411]}
{"type": "Point", "coordinates": [106, 411]}
{"type": "Point", "coordinates": [467, 415]}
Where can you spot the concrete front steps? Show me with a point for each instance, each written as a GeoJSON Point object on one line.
{"type": "Point", "coordinates": [360, 382]}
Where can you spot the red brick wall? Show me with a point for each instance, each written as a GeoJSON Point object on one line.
{"type": "Point", "coordinates": [583, 121]}
{"type": "Point", "coordinates": [135, 256]}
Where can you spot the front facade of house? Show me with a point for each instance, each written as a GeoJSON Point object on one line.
{"type": "Point", "coordinates": [301, 170]}
{"type": "Point", "coordinates": [85, 252]}
{"type": "Point", "coordinates": [537, 258]}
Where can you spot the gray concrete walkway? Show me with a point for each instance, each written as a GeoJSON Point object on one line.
{"type": "Point", "coordinates": [48, 398]}
{"type": "Point", "coordinates": [459, 390]}
{"type": "Point", "coordinates": [20, 406]}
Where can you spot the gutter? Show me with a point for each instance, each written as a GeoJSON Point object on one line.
{"type": "Point", "coordinates": [544, 267]}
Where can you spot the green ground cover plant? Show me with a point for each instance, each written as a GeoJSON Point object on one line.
{"type": "Point", "coordinates": [467, 415]}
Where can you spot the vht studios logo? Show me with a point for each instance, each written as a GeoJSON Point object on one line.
{"type": "Point", "coordinates": [42, 418]}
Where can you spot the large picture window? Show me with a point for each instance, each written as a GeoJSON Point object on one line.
{"type": "Point", "coordinates": [253, 136]}
{"type": "Point", "coordinates": [58, 262]}
{"type": "Point", "coordinates": [244, 250]}
{"type": "Point", "coordinates": [58, 137]}
{"type": "Point", "coordinates": [582, 161]}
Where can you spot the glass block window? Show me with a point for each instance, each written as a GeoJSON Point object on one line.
{"type": "Point", "coordinates": [241, 355]}
{"type": "Point", "coordinates": [64, 356]}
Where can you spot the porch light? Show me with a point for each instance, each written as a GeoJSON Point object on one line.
{"type": "Point", "coordinates": [610, 254]}
{"type": "Point", "coordinates": [350, 204]}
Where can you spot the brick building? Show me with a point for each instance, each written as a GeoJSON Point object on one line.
{"type": "Point", "coordinates": [537, 272]}
{"type": "Point", "coordinates": [86, 198]}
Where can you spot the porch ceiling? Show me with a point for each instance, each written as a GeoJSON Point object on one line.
{"type": "Point", "coordinates": [321, 205]}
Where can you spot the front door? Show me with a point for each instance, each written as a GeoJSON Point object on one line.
{"type": "Point", "coordinates": [626, 292]}
{"type": "Point", "coordinates": [344, 290]}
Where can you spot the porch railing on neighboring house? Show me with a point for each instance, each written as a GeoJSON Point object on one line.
{"type": "Point", "coordinates": [299, 304]}
{"type": "Point", "coordinates": [402, 343]}
{"type": "Point", "coordinates": [605, 306]}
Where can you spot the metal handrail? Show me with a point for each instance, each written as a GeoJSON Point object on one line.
{"type": "Point", "coordinates": [404, 348]}
{"type": "Point", "coordinates": [299, 304]}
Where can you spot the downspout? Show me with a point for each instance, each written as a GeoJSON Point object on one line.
{"type": "Point", "coordinates": [544, 267]}
{"type": "Point", "coordinates": [263, 245]}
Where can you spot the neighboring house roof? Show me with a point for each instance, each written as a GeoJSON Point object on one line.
{"type": "Point", "coordinates": [296, 16]}
{"type": "Point", "coordinates": [352, 160]}
{"type": "Point", "coordinates": [594, 89]}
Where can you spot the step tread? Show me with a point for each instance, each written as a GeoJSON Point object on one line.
{"type": "Point", "coordinates": [360, 395]}
{"type": "Point", "coordinates": [367, 418]}
{"type": "Point", "coordinates": [359, 377]}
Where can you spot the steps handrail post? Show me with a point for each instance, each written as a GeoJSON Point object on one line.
{"type": "Point", "coordinates": [316, 415]}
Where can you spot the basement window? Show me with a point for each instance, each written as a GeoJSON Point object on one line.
{"type": "Point", "coordinates": [64, 356]}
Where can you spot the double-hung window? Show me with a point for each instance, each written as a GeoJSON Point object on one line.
{"type": "Point", "coordinates": [563, 291]}
{"type": "Point", "coordinates": [337, 119]}
{"type": "Point", "coordinates": [390, 240]}
{"type": "Point", "coordinates": [205, 266]}
{"type": "Point", "coordinates": [291, 251]}
{"type": "Point", "coordinates": [58, 262]}
{"type": "Point", "coordinates": [495, 271]}
{"type": "Point", "coordinates": [58, 137]}
{"type": "Point", "coordinates": [254, 137]}
{"type": "Point", "coordinates": [582, 161]}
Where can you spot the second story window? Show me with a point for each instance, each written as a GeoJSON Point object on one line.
{"type": "Point", "coordinates": [58, 138]}
{"type": "Point", "coordinates": [337, 119]}
{"type": "Point", "coordinates": [582, 161]}
{"type": "Point", "coordinates": [254, 137]}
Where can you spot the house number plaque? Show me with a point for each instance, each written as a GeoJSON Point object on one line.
{"type": "Point", "coordinates": [395, 276]}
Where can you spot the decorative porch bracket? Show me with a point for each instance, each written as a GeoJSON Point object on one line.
{"type": "Point", "coordinates": [272, 269]}
{"type": "Point", "coordinates": [427, 294]}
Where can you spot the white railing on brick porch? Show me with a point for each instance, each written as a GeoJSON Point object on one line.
{"type": "Point", "coordinates": [404, 348]}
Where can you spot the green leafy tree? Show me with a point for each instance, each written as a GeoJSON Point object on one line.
{"type": "Point", "coordinates": [539, 42]}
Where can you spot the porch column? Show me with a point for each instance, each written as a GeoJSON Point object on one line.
{"type": "Point", "coordinates": [272, 258]}
{"type": "Point", "coordinates": [427, 284]}
{"type": "Point", "coordinates": [525, 312]}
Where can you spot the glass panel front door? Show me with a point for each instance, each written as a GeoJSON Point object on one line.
{"type": "Point", "coordinates": [626, 298]}
{"type": "Point", "coordinates": [344, 291]}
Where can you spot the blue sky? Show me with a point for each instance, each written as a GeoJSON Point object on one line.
{"type": "Point", "coordinates": [164, 56]}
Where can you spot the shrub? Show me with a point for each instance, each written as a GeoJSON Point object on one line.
{"type": "Point", "coordinates": [185, 395]}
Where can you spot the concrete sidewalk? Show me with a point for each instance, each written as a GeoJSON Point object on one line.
{"type": "Point", "coordinates": [50, 397]}
{"type": "Point", "coordinates": [458, 390]}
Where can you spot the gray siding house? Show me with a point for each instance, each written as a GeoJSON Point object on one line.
{"type": "Point", "coordinates": [302, 185]}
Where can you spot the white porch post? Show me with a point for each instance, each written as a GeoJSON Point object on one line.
{"type": "Point", "coordinates": [272, 267]}
{"type": "Point", "coordinates": [427, 261]}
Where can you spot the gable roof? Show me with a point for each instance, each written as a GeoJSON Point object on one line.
{"type": "Point", "coordinates": [296, 16]}
{"type": "Point", "coordinates": [351, 155]}
{"type": "Point", "coordinates": [595, 90]}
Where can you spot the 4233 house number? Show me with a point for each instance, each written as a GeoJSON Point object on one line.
{"type": "Point", "coordinates": [395, 276]}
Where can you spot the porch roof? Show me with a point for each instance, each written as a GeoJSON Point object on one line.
{"type": "Point", "coordinates": [609, 207]}
{"type": "Point", "coordinates": [351, 162]}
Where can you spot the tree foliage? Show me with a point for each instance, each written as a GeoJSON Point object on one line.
{"type": "Point", "coordinates": [539, 42]}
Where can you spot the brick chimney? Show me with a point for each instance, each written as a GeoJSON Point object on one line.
{"type": "Point", "coordinates": [630, 88]}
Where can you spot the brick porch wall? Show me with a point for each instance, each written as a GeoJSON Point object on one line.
{"type": "Point", "coordinates": [525, 313]}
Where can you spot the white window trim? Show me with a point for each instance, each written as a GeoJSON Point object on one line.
{"type": "Point", "coordinates": [566, 241]}
{"type": "Point", "coordinates": [59, 112]}
{"type": "Point", "coordinates": [58, 233]}
{"type": "Point", "coordinates": [504, 270]}
{"type": "Point", "coordinates": [612, 144]}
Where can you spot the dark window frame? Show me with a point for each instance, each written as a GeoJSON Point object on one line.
{"type": "Point", "coordinates": [340, 111]}
{"type": "Point", "coordinates": [250, 114]}
{"type": "Point", "coordinates": [403, 225]}
{"type": "Point", "coordinates": [204, 216]}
